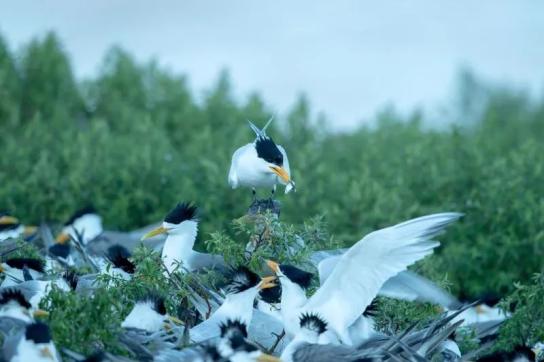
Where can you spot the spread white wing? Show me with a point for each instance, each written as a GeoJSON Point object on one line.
{"type": "Point", "coordinates": [406, 285]}
{"type": "Point", "coordinates": [367, 265]}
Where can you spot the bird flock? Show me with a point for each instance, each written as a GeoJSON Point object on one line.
{"type": "Point", "coordinates": [280, 312]}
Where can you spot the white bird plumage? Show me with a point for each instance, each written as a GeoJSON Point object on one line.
{"type": "Point", "coordinates": [367, 265]}
{"type": "Point", "coordinates": [260, 164]}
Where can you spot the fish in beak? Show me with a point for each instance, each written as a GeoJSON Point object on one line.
{"type": "Point", "coordinates": [275, 267]}
{"type": "Point", "coordinates": [267, 282]}
{"type": "Point", "coordinates": [8, 220]}
{"type": "Point", "coordinates": [158, 231]}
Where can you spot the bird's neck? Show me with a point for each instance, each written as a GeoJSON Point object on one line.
{"type": "Point", "coordinates": [292, 295]}
{"type": "Point", "coordinates": [179, 244]}
{"type": "Point", "coordinates": [238, 306]}
{"type": "Point", "coordinates": [302, 337]}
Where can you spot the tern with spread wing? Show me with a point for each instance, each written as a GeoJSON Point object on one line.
{"type": "Point", "coordinates": [260, 164]}
{"type": "Point", "coordinates": [364, 268]}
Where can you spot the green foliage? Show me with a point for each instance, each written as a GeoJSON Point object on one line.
{"type": "Point", "coordinates": [83, 323]}
{"type": "Point", "coordinates": [526, 326]}
{"type": "Point", "coordinates": [134, 140]}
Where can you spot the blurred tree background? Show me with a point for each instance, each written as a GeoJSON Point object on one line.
{"type": "Point", "coordinates": [135, 140]}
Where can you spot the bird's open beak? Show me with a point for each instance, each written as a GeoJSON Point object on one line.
{"type": "Point", "coordinates": [62, 238]}
{"type": "Point", "coordinates": [275, 267]}
{"type": "Point", "coordinates": [158, 231]}
{"type": "Point", "coordinates": [280, 171]}
{"type": "Point", "coordinates": [29, 230]}
{"type": "Point", "coordinates": [46, 352]}
{"type": "Point", "coordinates": [40, 313]}
{"type": "Point", "coordinates": [8, 220]}
{"type": "Point", "coordinates": [267, 358]}
{"type": "Point", "coordinates": [267, 282]}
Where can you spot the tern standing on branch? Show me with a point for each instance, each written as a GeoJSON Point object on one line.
{"type": "Point", "coordinates": [260, 164]}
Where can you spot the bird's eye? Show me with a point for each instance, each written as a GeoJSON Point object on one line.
{"type": "Point", "coordinates": [278, 160]}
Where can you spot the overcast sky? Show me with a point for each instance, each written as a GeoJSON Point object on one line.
{"type": "Point", "coordinates": [350, 57]}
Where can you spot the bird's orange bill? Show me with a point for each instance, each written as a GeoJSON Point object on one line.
{"type": "Point", "coordinates": [267, 358]}
{"type": "Point", "coordinates": [62, 238]}
{"type": "Point", "coordinates": [8, 220]}
{"type": "Point", "coordinates": [267, 282]}
{"type": "Point", "coordinates": [30, 230]}
{"type": "Point", "coordinates": [273, 265]}
{"type": "Point", "coordinates": [280, 171]}
{"type": "Point", "coordinates": [158, 231]}
{"type": "Point", "coordinates": [40, 313]}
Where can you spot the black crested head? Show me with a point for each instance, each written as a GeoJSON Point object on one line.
{"type": "Point", "coordinates": [118, 255]}
{"type": "Point", "coordinates": [99, 356]}
{"type": "Point", "coordinates": [156, 301]}
{"type": "Point", "coordinates": [182, 212]}
{"type": "Point", "coordinates": [271, 295]}
{"type": "Point", "coordinates": [30, 263]}
{"type": "Point", "coordinates": [371, 309]}
{"type": "Point", "coordinates": [71, 278]}
{"type": "Point", "coordinates": [241, 279]}
{"type": "Point", "coordinates": [13, 295]}
{"type": "Point", "coordinates": [211, 351]}
{"type": "Point", "coordinates": [60, 250]}
{"type": "Point", "coordinates": [313, 322]}
{"type": "Point", "coordinates": [523, 351]}
{"type": "Point", "coordinates": [38, 332]}
{"type": "Point", "coordinates": [268, 151]}
{"type": "Point", "coordinates": [231, 327]}
{"type": "Point", "coordinates": [79, 213]}
{"type": "Point", "coordinates": [296, 275]}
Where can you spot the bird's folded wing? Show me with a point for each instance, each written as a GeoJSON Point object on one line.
{"type": "Point", "coordinates": [233, 176]}
{"type": "Point", "coordinates": [366, 266]}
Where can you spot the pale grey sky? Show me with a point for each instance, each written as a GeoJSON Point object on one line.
{"type": "Point", "coordinates": [350, 57]}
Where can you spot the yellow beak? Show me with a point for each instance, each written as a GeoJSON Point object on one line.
{"type": "Point", "coordinates": [267, 282]}
{"type": "Point", "coordinates": [40, 313]}
{"type": "Point", "coordinates": [280, 171]}
{"type": "Point", "coordinates": [8, 220]}
{"type": "Point", "coordinates": [267, 358]}
{"type": "Point", "coordinates": [273, 265]}
{"type": "Point", "coordinates": [30, 230]}
{"type": "Point", "coordinates": [157, 231]}
{"type": "Point", "coordinates": [62, 238]}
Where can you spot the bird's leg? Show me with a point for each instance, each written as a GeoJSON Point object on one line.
{"type": "Point", "coordinates": [279, 337]}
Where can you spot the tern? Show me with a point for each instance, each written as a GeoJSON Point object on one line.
{"type": "Point", "coordinates": [149, 315]}
{"type": "Point", "coordinates": [365, 267]}
{"type": "Point", "coordinates": [181, 227]}
{"type": "Point", "coordinates": [84, 225]}
{"type": "Point", "coordinates": [11, 227]}
{"type": "Point", "coordinates": [260, 164]}
{"type": "Point", "coordinates": [14, 269]}
{"type": "Point", "coordinates": [14, 304]}
{"type": "Point", "coordinates": [243, 288]}
{"type": "Point", "coordinates": [34, 345]}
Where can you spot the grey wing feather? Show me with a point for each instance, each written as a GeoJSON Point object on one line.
{"type": "Point", "coordinates": [201, 261]}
